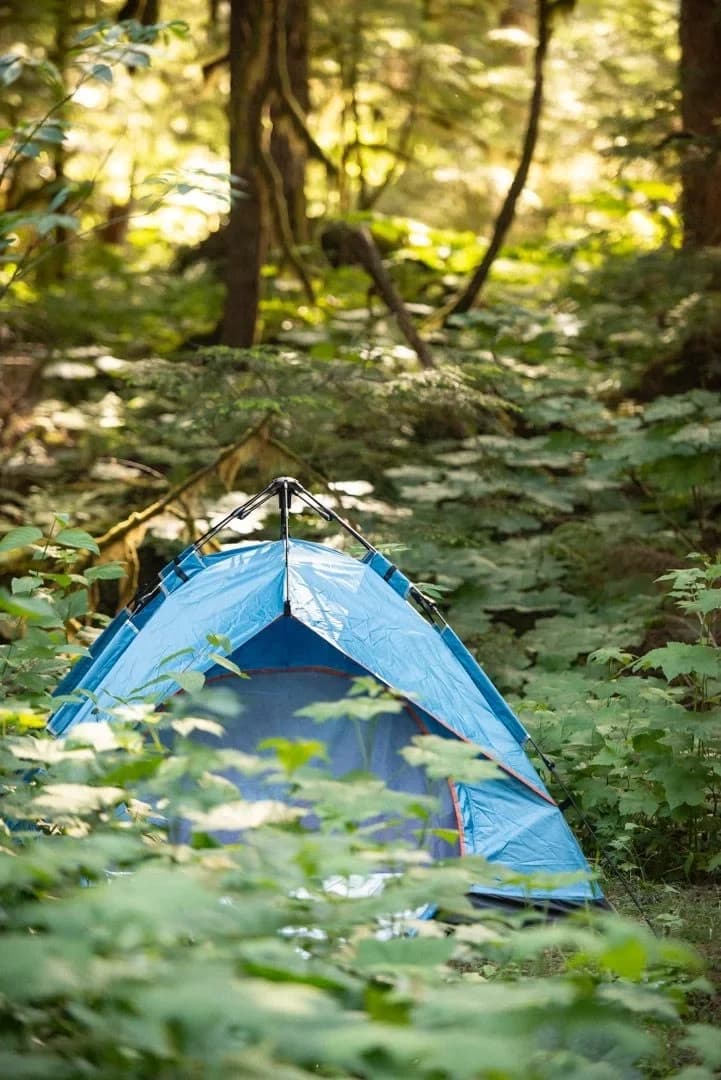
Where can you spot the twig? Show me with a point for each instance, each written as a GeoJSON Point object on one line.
{"type": "Point", "coordinates": [139, 517]}
{"type": "Point", "coordinates": [466, 298]}
{"type": "Point", "coordinates": [279, 208]}
{"type": "Point", "coordinates": [362, 250]}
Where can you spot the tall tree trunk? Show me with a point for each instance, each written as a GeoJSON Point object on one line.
{"type": "Point", "coordinates": [54, 268]}
{"type": "Point", "coordinates": [251, 34]}
{"type": "Point", "coordinates": [700, 77]}
{"type": "Point", "coordinates": [508, 210]}
{"type": "Point", "coordinates": [287, 146]}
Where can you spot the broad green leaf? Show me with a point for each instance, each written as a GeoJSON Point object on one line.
{"type": "Point", "coordinates": [639, 799]}
{"type": "Point", "coordinates": [105, 572]}
{"type": "Point", "coordinates": [351, 708]}
{"type": "Point", "coordinates": [678, 658]}
{"type": "Point", "coordinates": [32, 608]}
{"type": "Point", "coordinates": [224, 662]}
{"type": "Point", "coordinates": [240, 815]}
{"type": "Point", "coordinates": [190, 724]}
{"type": "Point", "coordinates": [220, 641]}
{"type": "Point", "coordinates": [192, 682]}
{"type": "Point", "coordinates": [20, 537]}
{"type": "Point", "coordinates": [442, 758]}
{"type": "Point", "coordinates": [683, 783]}
{"type": "Point", "coordinates": [103, 72]}
{"type": "Point", "coordinates": [24, 586]}
{"type": "Point", "coordinates": [626, 957]}
{"type": "Point", "coordinates": [76, 538]}
{"type": "Point", "coordinates": [705, 1041]}
{"type": "Point", "coordinates": [708, 601]}
{"type": "Point", "coordinates": [292, 753]}
{"type": "Point", "coordinates": [11, 68]}
{"type": "Point", "coordinates": [394, 955]}
{"type": "Point", "coordinates": [76, 798]}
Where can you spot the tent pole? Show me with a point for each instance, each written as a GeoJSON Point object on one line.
{"type": "Point", "coordinates": [286, 485]}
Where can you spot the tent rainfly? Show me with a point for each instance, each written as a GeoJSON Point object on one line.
{"type": "Point", "coordinates": [303, 620]}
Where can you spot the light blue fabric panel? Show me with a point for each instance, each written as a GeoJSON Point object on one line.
{"type": "Point", "coordinates": [500, 707]}
{"type": "Point", "coordinates": [509, 825]}
{"type": "Point", "coordinates": [348, 604]}
{"type": "Point", "coordinates": [235, 596]}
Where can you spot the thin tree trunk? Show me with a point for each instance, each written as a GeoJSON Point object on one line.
{"type": "Point", "coordinates": [700, 78]}
{"type": "Point", "coordinates": [55, 267]}
{"type": "Point", "coordinates": [288, 147]}
{"type": "Point", "coordinates": [505, 218]}
{"type": "Point", "coordinates": [251, 34]}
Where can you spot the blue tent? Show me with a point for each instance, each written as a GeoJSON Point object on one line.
{"type": "Point", "coordinates": [303, 619]}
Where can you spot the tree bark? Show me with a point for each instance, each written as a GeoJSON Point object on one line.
{"type": "Point", "coordinates": [700, 78]}
{"type": "Point", "coordinates": [251, 38]}
{"type": "Point", "coordinates": [288, 147]}
{"type": "Point", "coordinates": [505, 218]}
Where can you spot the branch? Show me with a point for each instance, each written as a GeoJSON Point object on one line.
{"type": "Point", "coordinates": [141, 517]}
{"type": "Point", "coordinates": [361, 248]}
{"type": "Point", "coordinates": [279, 207]}
{"type": "Point", "coordinates": [285, 93]}
{"type": "Point", "coordinates": [505, 218]}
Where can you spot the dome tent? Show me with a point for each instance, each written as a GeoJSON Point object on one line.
{"type": "Point", "coordinates": [302, 619]}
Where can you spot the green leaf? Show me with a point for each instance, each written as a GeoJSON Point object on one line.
{"type": "Point", "coordinates": [398, 953]}
{"type": "Point", "coordinates": [20, 537]}
{"type": "Point", "coordinates": [24, 586]}
{"type": "Point", "coordinates": [32, 608]}
{"type": "Point", "coordinates": [76, 538]}
{"type": "Point", "coordinates": [11, 68]}
{"type": "Point", "coordinates": [224, 662]}
{"type": "Point", "coordinates": [683, 783]}
{"type": "Point", "coordinates": [639, 800]}
{"type": "Point", "coordinates": [220, 641]}
{"type": "Point", "coordinates": [105, 572]}
{"type": "Point", "coordinates": [77, 798]}
{"type": "Point", "coordinates": [351, 708]}
{"type": "Point", "coordinates": [627, 957]}
{"type": "Point", "coordinates": [442, 758]}
{"type": "Point", "coordinates": [678, 658]}
{"type": "Point", "coordinates": [709, 600]}
{"type": "Point", "coordinates": [232, 816]}
{"type": "Point", "coordinates": [190, 724]}
{"type": "Point", "coordinates": [190, 681]}
{"type": "Point", "coordinates": [102, 72]}
{"type": "Point", "coordinates": [292, 753]}
{"type": "Point", "coordinates": [705, 1041]}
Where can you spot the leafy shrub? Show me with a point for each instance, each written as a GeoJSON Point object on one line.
{"type": "Point", "coordinates": [644, 754]}
{"type": "Point", "coordinates": [133, 950]}
{"type": "Point", "coordinates": [125, 954]}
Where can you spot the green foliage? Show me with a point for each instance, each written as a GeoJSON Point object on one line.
{"type": "Point", "coordinates": [94, 54]}
{"type": "Point", "coordinates": [129, 954]}
{"type": "Point", "coordinates": [643, 754]}
{"type": "Point", "coordinates": [37, 610]}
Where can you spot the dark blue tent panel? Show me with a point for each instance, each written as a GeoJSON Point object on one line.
{"type": "Point", "coordinates": [302, 618]}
